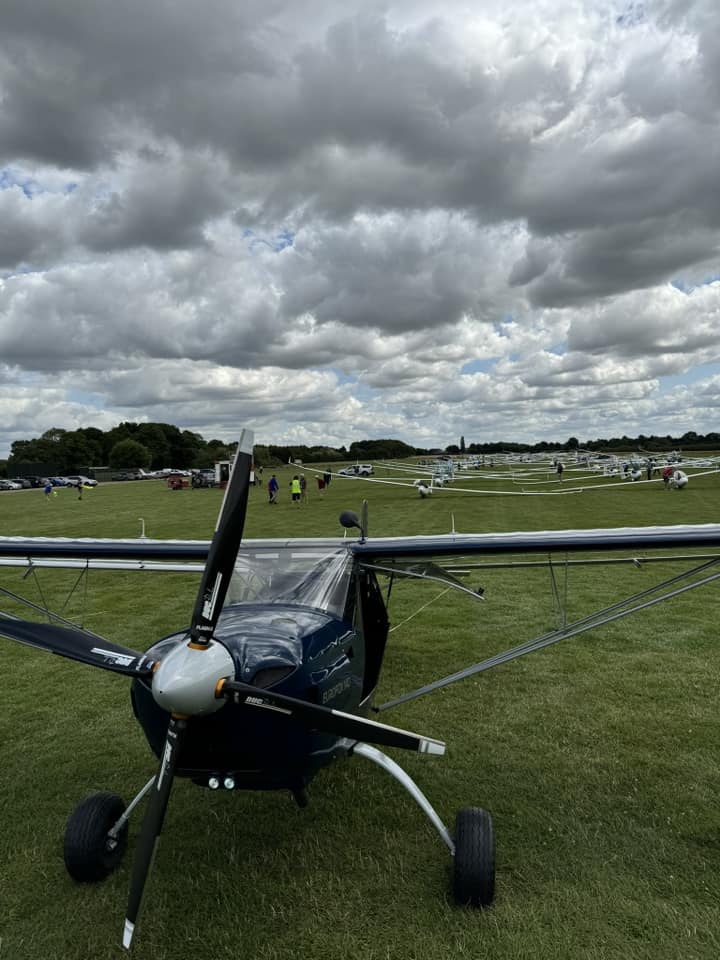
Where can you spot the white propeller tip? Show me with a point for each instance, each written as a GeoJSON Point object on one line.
{"type": "Point", "coordinates": [128, 934]}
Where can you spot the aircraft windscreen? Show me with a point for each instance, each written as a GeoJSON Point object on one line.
{"type": "Point", "coordinates": [317, 578]}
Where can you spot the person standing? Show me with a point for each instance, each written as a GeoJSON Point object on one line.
{"type": "Point", "coordinates": [273, 487]}
{"type": "Point", "coordinates": [327, 476]}
{"type": "Point", "coordinates": [295, 490]}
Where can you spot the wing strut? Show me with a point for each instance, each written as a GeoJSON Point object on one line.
{"type": "Point", "coordinates": [614, 612]}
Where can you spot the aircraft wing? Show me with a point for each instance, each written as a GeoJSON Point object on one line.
{"type": "Point", "coordinates": [141, 553]}
{"type": "Point", "coordinates": [411, 556]}
{"type": "Point", "coordinates": [419, 557]}
{"type": "Point", "coordinates": [542, 541]}
{"type": "Point", "coordinates": [704, 569]}
{"type": "Point", "coordinates": [145, 554]}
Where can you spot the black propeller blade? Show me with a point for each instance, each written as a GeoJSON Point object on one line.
{"type": "Point", "coordinates": [183, 683]}
{"type": "Point", "coordinates": [78, 645]}
{"type": "Point", "coordinates": [332, 721]}
{"type": "Point", "coordinates": [152, 824]}
{"type": "Point", "coordinates": [224, 547]}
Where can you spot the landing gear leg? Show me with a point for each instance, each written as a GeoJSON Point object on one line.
{"type": "Point", "coordinates": [473, 850]}
{"type": "Point", "coordinates": [372, 753]}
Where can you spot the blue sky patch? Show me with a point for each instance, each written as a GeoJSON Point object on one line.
{"type": "Point", "coordinates": [686, 379]}
{"type": "Point", "coordinates": [478, 366]}
{"type": "Point", "coordinates": [87, 399]}
{"type": "Point", "coordinates": [286, 238]}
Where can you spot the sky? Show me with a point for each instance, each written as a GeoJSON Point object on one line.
{"type": "Point", "coordinates": [333, 222]}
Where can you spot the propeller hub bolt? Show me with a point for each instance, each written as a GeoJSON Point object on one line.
{"type": "Point", "coordinates": [229, 783]}
{"type": "Point", "coordinates": [213, 783]}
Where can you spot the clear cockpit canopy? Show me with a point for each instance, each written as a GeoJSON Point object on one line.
{"type": "Point", "coordinates": [310, 577]}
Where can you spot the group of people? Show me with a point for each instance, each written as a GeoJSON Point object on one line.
{"type": "Point", "coordinates": [673, 478]}
{"type": "Point", "coordinates": [50, 490]}
{"type": "Point", "coordinates": [298, 487]}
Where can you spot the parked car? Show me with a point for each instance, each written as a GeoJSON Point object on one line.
{"type": "Point", "coordinates": [37, 481]}
{"type": "Point", "coordinates": [126, 475]}
{"type": "Point", "coordinates": [203, 478]}
{"type": "Point", "coordinates": [9, 485]}
{"type": "Point", "coordinates": [24, 483]}
{"type": "Point", "coordinates": [58, 481]}
{"type": "Point", "coordinates": [356, 470]}
{"type": "Point", "coordinates": [77, 478]}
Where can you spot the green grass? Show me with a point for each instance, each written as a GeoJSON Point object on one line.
{"type": "Point", "coordinates": [597, 758]}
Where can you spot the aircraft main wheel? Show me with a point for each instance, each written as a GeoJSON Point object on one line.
{"type": "Point", "coordinates": [474, 867]}
{"type": "Point", "coordinates": [90, 853]}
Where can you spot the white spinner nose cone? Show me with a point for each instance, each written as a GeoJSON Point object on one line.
{"type": "Point", "coordinates": [186, 679]}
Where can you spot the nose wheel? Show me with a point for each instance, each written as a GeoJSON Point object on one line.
{"type": "Point", "coordinates": [96, 835]}
{"type": "Point", "coordinates": [95, 841]}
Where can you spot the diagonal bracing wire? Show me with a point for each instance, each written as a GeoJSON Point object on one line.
{"type": "Point", "coordinates": [616, 611]}
{"type": "Point", "coordinates": [44, 610]}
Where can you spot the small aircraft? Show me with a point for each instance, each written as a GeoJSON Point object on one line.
{"type": "Point", "coordinates": [276, 675]}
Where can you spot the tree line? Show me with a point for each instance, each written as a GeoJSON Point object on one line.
{"type": "Point", "coordinates": [152, 446]}
{"type": "Point", "coordinates": [649, 444]}
{"type": "Point", "coordinates": [147, 446]}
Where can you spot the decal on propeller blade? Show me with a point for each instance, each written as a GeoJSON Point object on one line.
{"type": "Point", "coordinates": [114, 657]}
{"type": "Point", "coordinates": [163, 765]}
{"type": "Point", "coordinates": [211, 600]}
{"type": "Point", "coordinates": [257, 702]}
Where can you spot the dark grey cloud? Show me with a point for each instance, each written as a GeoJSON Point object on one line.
{"type": "Point", "coordinates": [164, 205]}
{"type": "Point", "coordinates": [602, 262]}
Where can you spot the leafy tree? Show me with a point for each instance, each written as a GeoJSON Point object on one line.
{"type": "Point", "coordinates": [98, 442]}
{"type": "Point", "coordinates": [384, 449]}
{"type": "Point", "coordinates": [284, 454]}
{"type": "Point", "coordinates": [74, 452]}
{"type": "Point", "coordinates": [21, 451]}
{"type": "Point", "coordinates": [215, 450]}
{"type": "Point", "coordinates": [63, 451]}
{"type": "Point", "coordinates": [186, 448]}
{"type": "Point", "coordinates": [129, 455]}
{"type": "Point", "coordinates": [123, 431]}
{"type": "Point", "coordinates": [153, 436]}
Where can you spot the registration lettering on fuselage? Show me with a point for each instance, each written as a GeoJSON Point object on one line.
{"type": "Point", "coordinates": [336, 689]}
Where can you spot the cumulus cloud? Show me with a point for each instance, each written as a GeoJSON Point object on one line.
{"type": "Point", "coordinates": [335, 222]}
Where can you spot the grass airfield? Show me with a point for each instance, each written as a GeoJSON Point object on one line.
{"type": "Point", "coordinates": [597, 758]}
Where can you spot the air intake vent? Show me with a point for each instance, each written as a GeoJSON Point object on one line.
{"type": "Point", "coordinates": [270, 676]}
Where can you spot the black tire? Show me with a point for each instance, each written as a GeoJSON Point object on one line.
{"type": "Point", "coordinates": [90, 854]}
{"type": "Point", "coordinates": [474, 866]}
